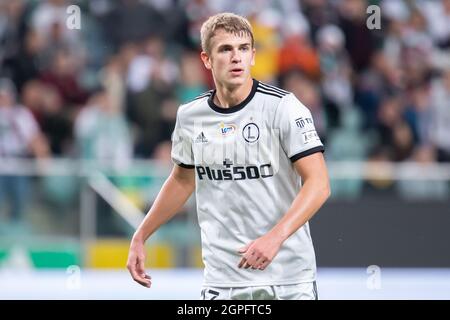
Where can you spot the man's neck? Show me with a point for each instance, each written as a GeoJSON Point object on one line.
{"type": "Point", "coordinates": [227, 97]}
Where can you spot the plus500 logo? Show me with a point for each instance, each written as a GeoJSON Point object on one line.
{"type": "Point", "coordinates": [235, 173]}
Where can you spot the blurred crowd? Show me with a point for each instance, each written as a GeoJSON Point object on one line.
{"type": "Point", "coordinates": [110, 91]}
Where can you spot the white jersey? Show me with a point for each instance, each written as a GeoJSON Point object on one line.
{"type": "Point", "coordinates": [246, 182]}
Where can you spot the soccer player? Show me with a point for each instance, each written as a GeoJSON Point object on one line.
{"type": "Point", "coordinates": [251, 153]}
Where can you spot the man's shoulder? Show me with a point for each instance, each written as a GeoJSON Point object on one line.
{"type": "Point", "coordinates": [271, 92]}
{"type": "Point", "coordinates": [193, 104]}
{"type": "Point", "coordinates": [272, 97]}
{"type": "Point", "coordinates": [201, 98]}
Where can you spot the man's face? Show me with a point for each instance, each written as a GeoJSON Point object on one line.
{"type": "Point", "coordinates": [231, 58]}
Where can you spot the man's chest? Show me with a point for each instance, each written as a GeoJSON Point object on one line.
{"type": "Point", "coordinates": [238, 140]}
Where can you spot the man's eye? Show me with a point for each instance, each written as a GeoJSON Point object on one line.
{"type": "Point", "coordinates": [244, 48]}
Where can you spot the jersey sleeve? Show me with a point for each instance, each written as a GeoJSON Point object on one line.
{"type": "Point", "coordinates": [298, 136]}
{"type": "Point", "coordinates": [181, 146]}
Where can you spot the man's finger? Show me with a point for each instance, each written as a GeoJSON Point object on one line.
{"type": "Point", "coordinates": [257, 263]}
{"type": "Point", "coordinates": [242, 262]}
{"type": "Point", "coordinates": [140, 264]}
{"type": "Point", "coordinates": [251, 261]}
{"type": "Point", "coordinates": [133, 271]}
{"type": "Point", "coordinates": [139, 275]}
{"type": "Point", "coordinates": [142, 280]}
{"type": "Point", "coordinates": [264, 264]}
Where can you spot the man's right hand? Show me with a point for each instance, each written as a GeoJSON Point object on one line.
{"type": "Point", "coordinates": [173, 195]}
{"type": "Point", "coordinates": [136, 263]}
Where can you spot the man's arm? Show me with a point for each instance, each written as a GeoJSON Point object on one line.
{"type": "Point", "coordinates": [314, 192]}
{"type": "Point", "coordinates": [173, 195]}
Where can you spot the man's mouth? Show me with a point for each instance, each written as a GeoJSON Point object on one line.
{"type": "Point", "coordinates": [237, 71]}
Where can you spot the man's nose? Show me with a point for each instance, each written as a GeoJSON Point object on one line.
{"type": "Point", "coordinates": [236, 57]}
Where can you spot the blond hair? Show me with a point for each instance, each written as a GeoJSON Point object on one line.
{"type": "Point", "coordinates": [229, 22]}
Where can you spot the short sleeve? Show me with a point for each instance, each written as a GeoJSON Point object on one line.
{"type": "Point", "coordinates": [181, 146]}
{"type": "Point", "coordinates": [298, 135]}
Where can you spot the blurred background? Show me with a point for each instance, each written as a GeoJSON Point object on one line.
{"type": "Point", "coordinates": [86, 117]}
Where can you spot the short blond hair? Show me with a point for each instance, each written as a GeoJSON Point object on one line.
{"type": "Point", "coordinates": [229, 22]}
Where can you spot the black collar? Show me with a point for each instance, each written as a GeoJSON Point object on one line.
{"type": "Point", "coordinates": [233, 108]}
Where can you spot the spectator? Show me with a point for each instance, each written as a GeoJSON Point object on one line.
{"type": "Point", "coordinates": [297, 52]}
{"type": "Point", "coordinates": [62, 75]}
{"type": "Point", "coordinates": [359, 40]}
{"type": "Point", "coordinates": [336, 73]}
{"type": "Point", "coordinates": [20, 137]}
{"type": "Point", "coordinates": [102, 133]}
{"type": "Point", "coordinates": [420, 188]}
{"type": "Point", "coordinates": [440, 97]}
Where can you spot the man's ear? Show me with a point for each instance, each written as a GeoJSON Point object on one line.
{"type": "Point", "coordinates": [206, 60]}
{"type": "Point", "coordinates": [253, 56]}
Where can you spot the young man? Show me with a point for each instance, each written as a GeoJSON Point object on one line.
{"type": "Point", "coordinates": [245, 148]}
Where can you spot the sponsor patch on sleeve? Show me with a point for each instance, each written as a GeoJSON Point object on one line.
{"type": "Point", "coordinates": [310, 136]}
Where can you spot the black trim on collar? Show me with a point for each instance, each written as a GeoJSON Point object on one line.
{"type": "Point", "coordinates": [232, 109]}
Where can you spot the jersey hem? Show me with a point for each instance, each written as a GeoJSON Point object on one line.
{"type": "Point", "coordinates": [255, 283]}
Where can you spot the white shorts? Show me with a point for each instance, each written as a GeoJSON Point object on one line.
{"type": "Point", "coordinates": [299, 291]}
